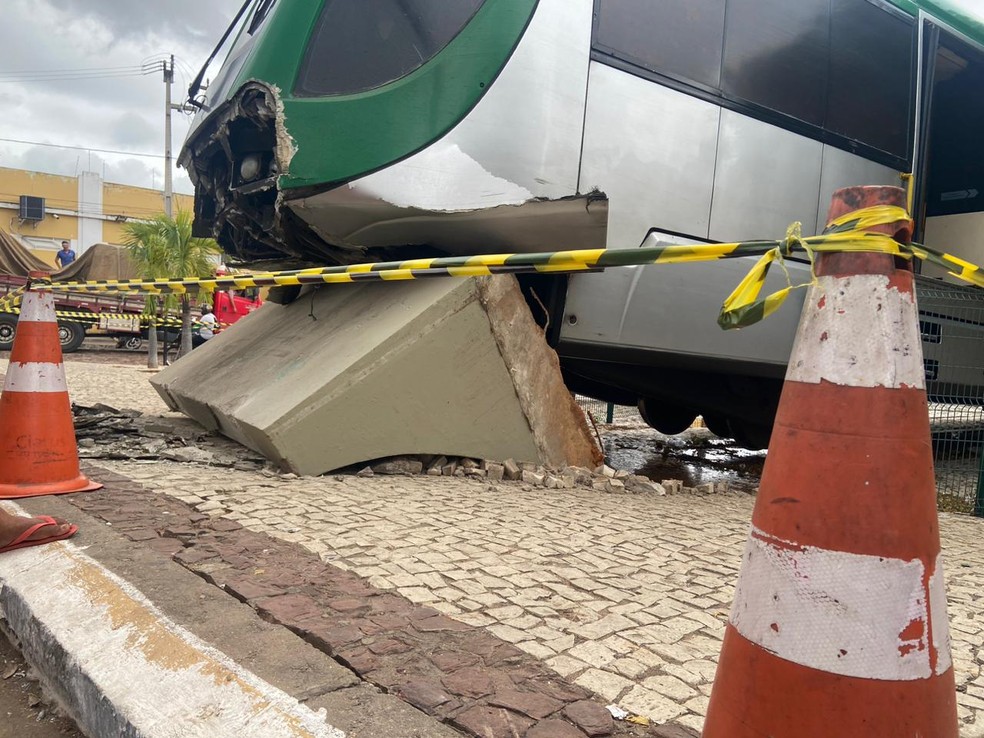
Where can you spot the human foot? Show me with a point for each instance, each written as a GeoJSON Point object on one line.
{"type": "Point", "coordinates": [20, 532]}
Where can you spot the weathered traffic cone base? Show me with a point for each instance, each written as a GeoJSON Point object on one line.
{"type": "Point", "coordinates": [806, 703]}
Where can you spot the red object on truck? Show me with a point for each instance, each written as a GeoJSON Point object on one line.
{"type": "Point", "coordinates": [230, 307]}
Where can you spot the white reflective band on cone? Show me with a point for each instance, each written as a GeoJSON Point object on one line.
{"type": "Point", "coordinates": [34, 376]}
{"type": "Point", "coordinates": [862, 333]}
{"type": "Point", "coordinates": [38, 307]}
{"type": "Point", "coordinates": [842, 613]}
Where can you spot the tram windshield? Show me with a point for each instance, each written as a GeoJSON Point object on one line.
{"type": "Point", "coordinates": [359, 45]}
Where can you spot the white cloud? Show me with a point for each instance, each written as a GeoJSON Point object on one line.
{"type": "Point", "coordinates": [123, 113]}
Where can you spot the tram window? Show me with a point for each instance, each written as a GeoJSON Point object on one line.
{"type": "Point", "coordinates": [362, 44]}
{"type": "Point", "coordinates": [678, 37]}
{"type": "Point", "coordinates": [871, 91]}
{"type": "Point", "coordinates": [776, 55]}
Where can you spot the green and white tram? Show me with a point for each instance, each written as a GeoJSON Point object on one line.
{"type": "Point", "coordinates": [350, 130]}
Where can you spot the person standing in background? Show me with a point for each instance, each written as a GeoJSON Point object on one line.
{"type": "Point", "coordinates": [66, 256]}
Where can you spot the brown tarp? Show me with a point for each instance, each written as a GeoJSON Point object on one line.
{"type": "Point", "coordinates": [16, 258]}
{"type": "Point", "coordinates": [100, 261]}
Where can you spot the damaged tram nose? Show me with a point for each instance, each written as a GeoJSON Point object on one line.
{"type": "Point", "coordinates": [234, 160]}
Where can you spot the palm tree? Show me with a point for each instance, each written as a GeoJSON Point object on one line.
{"type": "Point", "coordinates": [187, 256]}
{"type": "Point", "coordinates": [164, 248]}
{"type": "Point", "coordinates": [147, 251]}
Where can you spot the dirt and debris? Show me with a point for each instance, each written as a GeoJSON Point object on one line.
{"type": "Point", "coordinates": [26, 712]}
{"type": "Point", "coordinates": [675, 467]}
{"type": "Point", "coordinates": [105, 432]}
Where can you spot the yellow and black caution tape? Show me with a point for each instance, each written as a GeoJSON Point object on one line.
{"type": "Point", "coordinates": [850, 233]}
{"type": "Point", "coordinates": [173, 321]}
{"type": "Point", "coordinates": [12, 298]}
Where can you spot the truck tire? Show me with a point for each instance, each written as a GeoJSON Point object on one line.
{"type": "Point", "coordinates": [132, 343]}
{"type": "Point", "coordinates": [8, 327]}
{"type": "Point", "coordinates": [666, 418]}
{"type": "Point", "coordinates": [70, 335]}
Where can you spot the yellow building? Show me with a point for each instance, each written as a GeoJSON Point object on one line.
{"type": "Point", "coordinates": [83, 210]}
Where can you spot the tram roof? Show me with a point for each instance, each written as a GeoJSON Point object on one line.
{"type": "Point", "coordinates": [965, 16]}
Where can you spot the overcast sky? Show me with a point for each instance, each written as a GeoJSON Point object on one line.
{"type": "Point", "coordinates": [42, 103]}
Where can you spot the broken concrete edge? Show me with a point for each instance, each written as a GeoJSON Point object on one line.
{"type": "Point", "coordinates": [535, 367]}
{"type": "Point", "coordinates": [119, 666]}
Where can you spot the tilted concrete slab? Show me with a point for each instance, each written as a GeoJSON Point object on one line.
{"type": "Point", "coordinates": [350, 373]}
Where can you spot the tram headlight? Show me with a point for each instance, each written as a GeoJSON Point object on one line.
{"type": "Point", "coordinates": [249, 168]}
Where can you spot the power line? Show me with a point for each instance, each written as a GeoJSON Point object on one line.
{"type": "Point", "coordinates": [128, 67]}
{"type": "Point", "coordinates": [73, 78]}
{"type": "Point", "coordinates": [82, 148]}
{"type": "Point", "coordinates": [54, 75]}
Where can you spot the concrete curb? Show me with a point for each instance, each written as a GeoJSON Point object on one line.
{"type": "Point", "coordinates": [123, 668]}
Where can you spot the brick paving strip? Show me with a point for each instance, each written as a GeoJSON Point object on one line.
{"type": "Point", "coordinates": [459, 674]}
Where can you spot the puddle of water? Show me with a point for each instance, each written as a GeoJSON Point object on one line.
{"type": "Point", "coordinates": [694, 458]}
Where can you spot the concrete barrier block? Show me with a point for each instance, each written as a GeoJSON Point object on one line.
{"type": "Point", "coordinates": [350, 373]}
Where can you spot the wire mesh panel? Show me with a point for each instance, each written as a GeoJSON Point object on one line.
{"type": "Point", "coordinates": [608, 413]}
{"type": "Point", "coordinates": [951, 319]}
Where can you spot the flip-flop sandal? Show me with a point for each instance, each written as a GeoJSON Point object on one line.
{"type": "Point", "coordinates": [22, 542]}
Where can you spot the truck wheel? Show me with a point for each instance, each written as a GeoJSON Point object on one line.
{"type": "Point", "coordinates": [8, 327]}
{"type": "Point", "coordinates": [131, 342]}
{"type": "Point", "coordinates": [667, 418]}
{"type": "Point", "coordinates": [70, 335]}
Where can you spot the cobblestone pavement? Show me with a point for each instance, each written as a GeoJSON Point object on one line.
{"type": "Point", "coordinates": [625, 595]}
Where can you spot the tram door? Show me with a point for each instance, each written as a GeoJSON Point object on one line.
{"type": "Point", "coordinates": [950, 210]}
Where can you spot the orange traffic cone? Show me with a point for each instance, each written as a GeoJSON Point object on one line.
{"type": "Point", "coordinates": [38, 455]}
{"type": "Point", "coordinates": [839, 624]}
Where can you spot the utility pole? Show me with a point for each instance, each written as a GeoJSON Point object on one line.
{"type": "Point", "coordinates": [168, 107]}
{"type": "Point", "coordinates": [168, 81]}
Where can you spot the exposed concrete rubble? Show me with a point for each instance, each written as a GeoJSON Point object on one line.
{"type": "Point", "coordinates": [352, 373]}
{"type": "Point", "coordinates": [107, 433]}
{"type": "Point", "coordinates": [104, 432]}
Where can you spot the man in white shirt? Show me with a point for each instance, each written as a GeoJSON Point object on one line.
{"type": "Point", "coordinates": [208, 325]}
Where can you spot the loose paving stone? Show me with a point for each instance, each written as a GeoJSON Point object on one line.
{"type": "Point", "coordinates": [492, 722]}
{"type": "Point", "coordinates": [425, 694]}
{"type": "Point", "coordinates": [591, 718]}
{"type": "Point", "coordinates": [532, 705]}
{"type": "Point", "coordinates": [554, 729]}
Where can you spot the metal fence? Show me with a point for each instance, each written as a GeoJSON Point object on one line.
{"type": "Point", "coordinates": [953, 349]}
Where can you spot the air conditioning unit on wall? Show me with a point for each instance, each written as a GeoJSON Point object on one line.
{"type": "Point", "coordinates": [31, 208]}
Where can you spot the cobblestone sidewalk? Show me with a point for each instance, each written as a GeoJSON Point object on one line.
{"type": "Point", "coordinates": [625, 595]}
